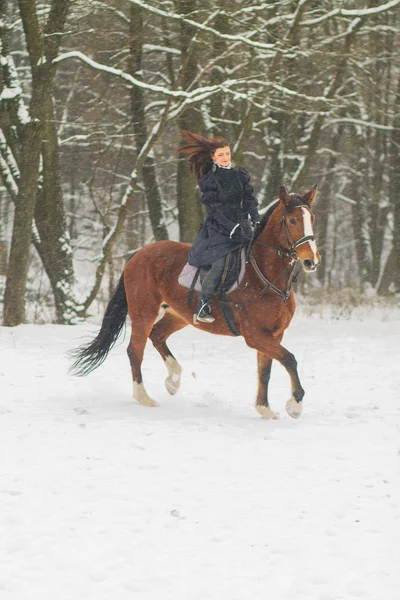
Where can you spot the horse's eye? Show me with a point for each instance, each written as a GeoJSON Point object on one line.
{"type": "Point", "coordinates": [292, 221]}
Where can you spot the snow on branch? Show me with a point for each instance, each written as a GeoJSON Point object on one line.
{"type": "Point", "coordinates": [195, 95]}
{"type": "Point", "coordinates": [8, 179]}
{"type": "Point", "coordinates": [115, 11]}
{"type": "Point", "coordinates": [364, 12]}
{"type": "Point", "coordinates": [12, 90]}
{"type": "Point", "coordinates": [9, 158]}
{"type": "Point", "coordinates": [289, 92]}
{"type": "Point", "coordinates": [8, 168]}
{"type": "Point", "coordinates": [251, 9]}
{"type": "Point", "coordinates": [202, 27]}
{"type": "Point", "coordinates": [322, 18]}
{"type": "Point", "coordinates": [153, 48]}
{"type": "Point", "coordinates": [360, 122]}
{"type": "Point", "coordinates": [345, 199]}
{"type": "Point", "coordinates": [346, 12]}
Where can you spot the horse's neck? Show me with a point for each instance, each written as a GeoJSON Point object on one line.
{"type": "Point", "coordinates": [266, 249]}
{"type": "Point", "coordinates": [271, 234]}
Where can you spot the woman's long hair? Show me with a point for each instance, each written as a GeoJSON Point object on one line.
{"type": "Point", "coordinates": [198, 151]}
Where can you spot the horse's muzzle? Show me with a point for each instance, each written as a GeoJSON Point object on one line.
{"type": "Point", "coordinates": [309, 265]}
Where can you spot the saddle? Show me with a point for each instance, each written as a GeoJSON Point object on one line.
{"type": "Point", "coordinates": [235, 264]}
{"type": "Point", "coordinates": [232, 276]}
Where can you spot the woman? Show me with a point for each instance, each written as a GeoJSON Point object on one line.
{"type": "Point", "coordinates": [228, 197]}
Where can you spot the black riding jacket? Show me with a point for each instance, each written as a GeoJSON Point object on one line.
{"type": "Point", "coordinates": [229, 200]}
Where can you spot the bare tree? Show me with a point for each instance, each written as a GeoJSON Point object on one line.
{"type": "Point", "coordinates": [28, 137]}
{"type": "Point", "coordinates": [306, 91]}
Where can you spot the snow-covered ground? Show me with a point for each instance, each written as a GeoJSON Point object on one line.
{"type": "Point", "coordinates": [200, 498]}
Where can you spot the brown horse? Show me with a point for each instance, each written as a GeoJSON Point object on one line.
{"type": "Point", "coordinates": [263, 305]}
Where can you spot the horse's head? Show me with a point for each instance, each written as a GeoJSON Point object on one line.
{"type": "Point", "coordinates": [296, 233]}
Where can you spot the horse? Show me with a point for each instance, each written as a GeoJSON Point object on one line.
{"type": "Point", "coordinates": [263, 307]}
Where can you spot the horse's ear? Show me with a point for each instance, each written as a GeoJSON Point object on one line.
{"type": "Point", "coordinates": [283, 195]}
{"type": "Point", "coordinates": [309, 196]}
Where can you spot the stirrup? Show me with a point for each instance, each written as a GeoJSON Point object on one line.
{"type": "Point", "coordinates": [200, 319]}
{"type": "Point", "coordinates": [203, 315]}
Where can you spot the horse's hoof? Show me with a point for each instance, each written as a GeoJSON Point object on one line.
{"type": "Point", "coordinates": [147, 402]}
{"type": "Point", "coordinates": [173, 381]}
{"type": "Point", "coordinates": [140, 394]}
{"type": "Point", "coordinates": [294, 408]}
{"type": "Point", "coordinates": [266, 412]}
{"type": "Point", "coordinates": [172, 387]}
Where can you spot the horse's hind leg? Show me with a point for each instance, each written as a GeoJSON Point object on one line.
{"type": "Point", "coordinates": [135, 351]}
{"type": "Point", "coordinates": [162, 329]}
{"type": "Point", "coordinates": [141, 328]}
{"type": "Point", "coordinates": [264, 364]}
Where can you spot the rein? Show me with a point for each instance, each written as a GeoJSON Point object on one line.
{"type": "Point", "coordinates": [284, 295]}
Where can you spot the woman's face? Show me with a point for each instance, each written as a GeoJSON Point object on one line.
{"type": "Point", "coordinates": [222, 156]}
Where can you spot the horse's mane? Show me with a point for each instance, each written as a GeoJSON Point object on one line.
{"type": "Point", "coordinates": [265, 218]}
{"type": "Point", "coordinates": [295, 202]}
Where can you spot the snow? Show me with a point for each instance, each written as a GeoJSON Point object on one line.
{"type": "Point", "coordinates": [14, 90]}
{"type": "Point", "coordinates": [10, 93]}
{"type": "Point", "coordinates": [199, 498]}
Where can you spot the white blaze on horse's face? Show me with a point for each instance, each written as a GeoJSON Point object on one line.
{"type": "Point", "coordinates": [308, 230]}
{"type": "Point", "coordinates": [301, 237]}
{"type": "Point", "coordinates": [299, 227]}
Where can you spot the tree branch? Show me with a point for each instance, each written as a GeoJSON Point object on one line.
{"type": "Point", "coordinates": [195, 95]}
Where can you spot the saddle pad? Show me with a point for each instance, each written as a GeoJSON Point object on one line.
{"type": "Point", "coordinates": [188, 272]}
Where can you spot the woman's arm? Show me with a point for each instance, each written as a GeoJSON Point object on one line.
{"type": "Point", "coordinates": [250, 201]}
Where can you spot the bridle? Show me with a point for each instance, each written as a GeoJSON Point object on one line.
{"type": "Point", "coordinates": [292, 244]}
{"type": "Point", "coordinates": [289, 252]}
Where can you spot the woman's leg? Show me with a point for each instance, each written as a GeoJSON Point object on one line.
{"type": "Point", "coordinates": [208, 287]}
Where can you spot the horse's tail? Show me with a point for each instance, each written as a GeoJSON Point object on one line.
{"type": "Point", "coordinates": [89, 357]}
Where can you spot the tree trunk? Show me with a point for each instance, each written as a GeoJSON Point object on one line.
{"type": "Point", "coordinates": [189, 207]}
{"type": "Point", "coordinates": [392, 268]}
{"type": "Point", "coordinates": [18, 265]}
{"type": "Point", "coordinates": [300, 179]}
{"type": "Point", "coordinates": [54, 246]}
{"type": "Point", "coordinates": [151, 187]}
{"type": "Point", "coordinates": [40, 137]}
{"type": "Point", "coordinates": [324, 207]}
{"type": "Point", "coordinates": [360, 221]}
{"type": "Point", "coordinates": [17, 275]}
{"type": "Point", "coordinates": [275, 179]}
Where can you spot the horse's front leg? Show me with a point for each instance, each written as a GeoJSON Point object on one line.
{"type": "Point", "coordinates": [270, 346]}
{"type": "Point", "coordinates": [264, 364]}
{"type": "Point", "coordinates": [294, 405]}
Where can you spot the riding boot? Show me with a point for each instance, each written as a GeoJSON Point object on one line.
{"type": "Point", "coordinates": [208, 288]}
{"type": "Point", "coordinates": [203, 311]}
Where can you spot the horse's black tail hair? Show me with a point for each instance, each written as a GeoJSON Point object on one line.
{"type": "Point", "coordinates": [89, 357]}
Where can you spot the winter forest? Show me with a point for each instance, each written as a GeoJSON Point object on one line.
{"type": "Point", "coordinates": [94, 94]}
